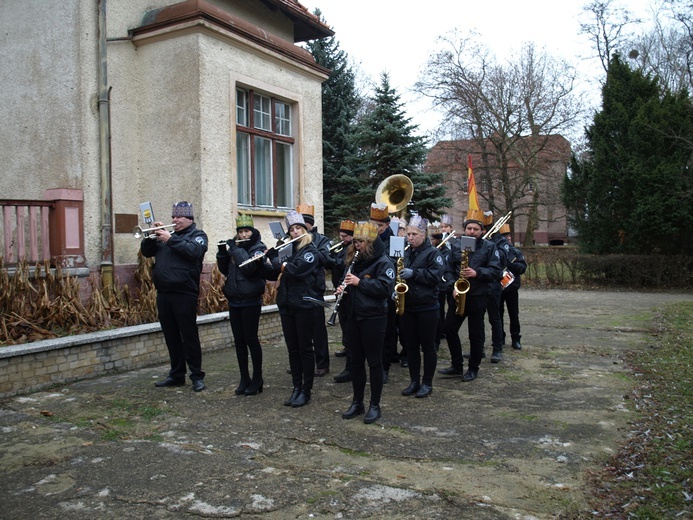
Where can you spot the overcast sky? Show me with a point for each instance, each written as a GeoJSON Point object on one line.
{"type": "Point", "coordinates": [397, 37]}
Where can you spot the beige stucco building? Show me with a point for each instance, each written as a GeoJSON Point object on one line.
{"type": "Point", "coordinates": [206, 101]}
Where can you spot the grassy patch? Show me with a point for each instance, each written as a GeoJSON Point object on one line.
{"type": "Point", "coordinates": [650, 477]}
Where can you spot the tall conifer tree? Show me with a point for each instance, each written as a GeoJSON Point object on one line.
{"type": "Point", "coordinates": [633, 193]}
{"type": "Point", "coordinates": [388, 146]}
{"type": "Point", "coordinates": [340, 105]}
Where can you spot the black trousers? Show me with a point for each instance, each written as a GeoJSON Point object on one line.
{"type": "Point", "coordinates": [320, 341]}
{"type": "Point", "coordinates": [245, 322]}
{"type": "Point", "coordinates": [390, 341]}
{"type": "Point", "coordinates": [343, 321]}
{"type": "Point", "coordinates": [365, 338]}
{"type": "Point", "coordinates": [494, 319]}
{"type": "Point", "coordinates": [298, 334]}
{"type": "Point", "coordinates": [474, 311]}
{"type": "Point", "coordinates": [510, 297]}
{"type": "Point", "coordinates": [440, 331]}
{"type": "Point", "coordinates": [178, 319]}
{"type": "Point", "coordinates": [418, 329]}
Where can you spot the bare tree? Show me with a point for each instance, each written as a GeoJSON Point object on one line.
{"type": "Point", "coordinates": [667, 49]}
{"type": "Point", "coordinates": [510, 112]}
{"type": "Point", "coordinates": [605, 27]}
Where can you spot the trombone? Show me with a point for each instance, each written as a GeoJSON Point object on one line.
{"type": "Point", "coordinates": [442, 243]}
{"type": "Point", "coordinates": [499, 224]}
{"type": "Point", "coordinates": [138, 232]}
{"type": "Point", "coordinates": [337, 247]}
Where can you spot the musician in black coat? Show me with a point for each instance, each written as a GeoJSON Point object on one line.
{"type": "Point", "coordinates": [178, 259]}
{"type": "Point", "coordinates": [322, 244]}
{"type": "Point", "coordinates": [482, 269]}
{"type": "Point", "coordinates": [339, 253]}
{"type": "Point", "coordinates": [366, 291]}
{"type": "Point", "coordinates": [298, 277]}
{"type": "Point", "coordinates": [517, 265]}
{"type": "Point", "coordinates": [423, 271]}
{"type": "Point", "coordinates": [244, 288]}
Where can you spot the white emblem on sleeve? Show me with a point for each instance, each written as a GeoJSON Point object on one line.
{"type": "Point", "coordinates": [390, 273]}
{"type": "Point", "coordinates": [439, 260]}
{"type": "Point", "coordinates": [200, 240]}
{"type": "Point", "coordinates": [309, 257]}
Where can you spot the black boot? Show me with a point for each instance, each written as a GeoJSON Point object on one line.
{"type": "Point", "coordinates": [302, 399]}
{"type": "Point", "coordinates": [343, 377]}
{"type": "Point", "coordinates": [355, 409]}
{"type": "Point", "coordinates": [242, 386]}
{"type": "Point", "coordinates": [294, 394]}
{"type": "Point", "coordinates": [424, 391]}
{"type": "Point", "coordinates": [373, 414]}
{"type": "Point", "coordinates": [412, 388]}
{"type": "Point", "coordinates": [255, 386]}
{"type": "Point", "coordinates": [516, 344]}
{"type": "Point", "coordinates": [497, 355]}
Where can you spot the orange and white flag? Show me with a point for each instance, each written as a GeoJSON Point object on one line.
{"type": "Point", "coordinates": [471, 185]}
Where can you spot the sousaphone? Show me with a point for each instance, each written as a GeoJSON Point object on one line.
{"type": "Point", "coordinates": [395, 191]}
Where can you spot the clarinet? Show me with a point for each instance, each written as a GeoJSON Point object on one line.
{"type": "Point", "coordinates": [333, 318]}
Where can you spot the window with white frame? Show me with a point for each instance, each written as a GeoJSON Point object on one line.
{"type": "Point", "coordinates": [264, 150]}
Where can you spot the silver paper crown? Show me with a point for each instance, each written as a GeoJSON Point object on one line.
{"type": "Point", "coordinates": [419, 222]}
{"type": "Point", "coordinates": [446, 219]}
{"type": "Point", "coordinates": [294, 217]}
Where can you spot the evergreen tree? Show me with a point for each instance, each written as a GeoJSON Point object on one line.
{"type": "Point", "coordinates": [633, 193]}
{"type": "Point", "coordinates": [388, 146]}
{"type": "Point", "coordinates": [340, 104]}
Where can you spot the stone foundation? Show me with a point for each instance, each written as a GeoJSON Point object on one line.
{"type": "Point", "coordinates": [42, 364]}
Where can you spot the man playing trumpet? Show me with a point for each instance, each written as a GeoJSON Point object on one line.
{"type": "Point", "coordinates": [176, 275]}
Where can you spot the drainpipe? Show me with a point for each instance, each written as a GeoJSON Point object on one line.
{"type": "Point", "coordinates": [105, 157]}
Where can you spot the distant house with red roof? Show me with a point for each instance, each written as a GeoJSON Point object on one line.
{"type": "Point", "coordinates": [525, 179]}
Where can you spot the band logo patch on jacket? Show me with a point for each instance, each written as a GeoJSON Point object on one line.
{"type": "Point", "coordinates": [200, 240]}
{"type": "Point", "coordinates": [309, 257]}
{"type": "Point", "coordinates": [439, 260]}
{"type": "Point", "coordinates": [390, 274]}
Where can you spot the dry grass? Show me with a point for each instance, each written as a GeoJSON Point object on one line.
{"type": "Point", "coordinates": [39, 303]}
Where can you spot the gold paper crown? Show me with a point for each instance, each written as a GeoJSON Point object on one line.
{"type": "Point", "coordinates": [347, 225]}
{"type": "Point", "coordinates": [505, 228]}
{"type": "Point", "coordinates": [475, 214]}
{"type": "Point", "coordinates": [244, 221]}
{"type": "Point", "coordinates": [366, 231]}
{"type": "Point", "coordinates": [379, 212]}
{"type": "Point", "coordinates": [488, 218]}
{"type": "Point", "coordinates": [434, 229]}
{"type": "Point", "coordinates": [305, 209]}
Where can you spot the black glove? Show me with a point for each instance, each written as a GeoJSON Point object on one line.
{"type": "Point", "coordinates": [272, 254]}
{"type": "Point", "coordinates": [232, 244]}
{"type": "Point", "coordinates": [406, 273]}
{"type": "Point", "coordinates": [222, 247]}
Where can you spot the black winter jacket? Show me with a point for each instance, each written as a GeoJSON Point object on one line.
{"type": "Point", "coordinates": [485, 261]}
{"type": "Point", "coordinates": [298, 279]}
{"type": "Point", "coordinates": [377, 282]}
{"type": "Point", "coordinates": [516, 265]}
{"type": "Point", "coordinates": [429, 267]}
{"type": "Point", "coordinates": [178, 262]}
{"type": "Point", "coordinates": [245, 285]}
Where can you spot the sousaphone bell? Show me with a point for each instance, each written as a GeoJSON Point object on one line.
{"type": "Point", "coordinates": [395, 191]}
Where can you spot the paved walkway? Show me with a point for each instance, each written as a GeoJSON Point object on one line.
{"type": "Point", "coordinates": [515, 443]}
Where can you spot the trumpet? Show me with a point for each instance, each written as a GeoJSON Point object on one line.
{"type": "Point", "coordinates": [138, 232]}
{"type": "Point", "coordinates": [337, 247]}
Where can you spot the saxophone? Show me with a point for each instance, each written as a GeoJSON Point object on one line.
{"type": "Point", "coordinates": [401, 288]}
{"type": "Point", "coordinates": [462, 285]}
